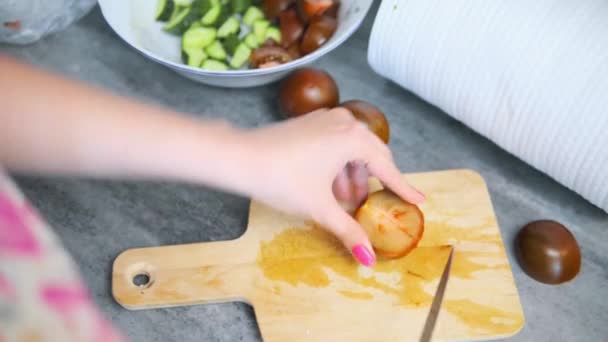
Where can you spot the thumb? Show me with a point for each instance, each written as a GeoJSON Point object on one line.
{"type": "Point", "coordinates": [349, 231]}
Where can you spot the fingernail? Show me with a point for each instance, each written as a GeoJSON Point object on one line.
{"type": "Point", "coordinates": [364, 256]}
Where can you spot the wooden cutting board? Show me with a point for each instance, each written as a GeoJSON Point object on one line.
{"type": "Point", "coordinates": [304, 286]}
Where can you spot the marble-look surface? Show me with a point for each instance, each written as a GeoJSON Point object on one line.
{"type": "Point", "coordinates": [98, 219]}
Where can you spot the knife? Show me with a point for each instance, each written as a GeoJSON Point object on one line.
{"type": "Point", "coordinates": [431, 319]}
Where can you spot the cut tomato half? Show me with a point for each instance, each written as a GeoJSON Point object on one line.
{"type": "Point", "coordinates": [393, 225]}
{"type": "Point", "coordinates": [310, 8]}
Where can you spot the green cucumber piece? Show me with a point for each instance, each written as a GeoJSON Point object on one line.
{"type": "Point", "coordinates": [259, 29]}
{"type": "Point", "coordinates": [204, 6]}
{"type": "Point", "coordinates": [176, 10]}
{"type": "Point", "coordinates": [231, 43]}
{"type": "Point", "coordinates": [198, 38]}
{"type": "Point", "coordinates": [164, 10]}
{"type": "Point", "coordinates": [216, 51]}
{"type": "Point", "coordinates": [239, 6]}
{"type": "Point", "coordinates": [241, 55]}
{"type": "Point", "coordinates": [224, 15]}
{"type": "Point", "coordinates": [194, 57]}
{"type": "Point", "coordinates": [230, 26]}
{"type": "Point", "coordinates": [183, 3]}
{"type": "Point", "coordinates": [273, 33]}
{"type": "Point", "coordinates": [215, 17]}
{"type": "Point", "coordinates": [252, 14]}
{"type": "Point", "coordinates": [182, 21]}
{"type": "Point", "coordinates": [214, 65]}
{"type": "Point", "coordinates": [251, 41]}
{"type": "Point", "coordinates": [196, 24]}
{"type": "Point", "coordinates": [212, 15]}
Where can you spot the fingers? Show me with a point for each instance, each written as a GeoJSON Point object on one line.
{"type": "Point", "coordinates": [386, 171]}
{"type": "Point", "coordinates": [342, 186]}
{"type": "Point", "coordinates": [380, 164]}
{"type": "Point", "coordinates": [361, 130]}
{"type": "Point", "coordinates": [359, 176]}
{"type": "Point", "coordinates": [348, 230]}
{"type": "Point", "coordinates": [351, 184]}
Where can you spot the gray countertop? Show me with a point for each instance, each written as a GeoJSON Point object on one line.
{"type": "Point", "coordinates": [98, 219]}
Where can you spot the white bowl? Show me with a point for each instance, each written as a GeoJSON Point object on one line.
{"type": "Point", "coordinates": [133, 21]}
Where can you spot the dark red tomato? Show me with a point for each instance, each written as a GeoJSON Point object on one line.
{"type": "Point", "coordinates": [306, 90]}
{"type": "Point", "coordinates": [291, 27]}
{"type": "Point", "coordinates": [272, 8]}
{"type": "Point", "coordinates": [311, 8]}
{"type": "Point", "coordinates": [333, 10]}
{"type": "Point", "coordinates": [320, 30]}
{"type": "Point", "coordinates": [548, 252]}
{"type": "Point", "coordinates": [294, 51]}
{"type": "Point", "coordinates": [371, 116]}
{"type": "Point", "coordinates": [266, 54]}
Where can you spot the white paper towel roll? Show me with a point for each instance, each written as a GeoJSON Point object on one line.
{"type": "Point", "coordinates": [532, 76]}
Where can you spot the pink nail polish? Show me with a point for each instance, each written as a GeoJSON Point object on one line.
{"type": "Point", "coordinates": [364, 256]}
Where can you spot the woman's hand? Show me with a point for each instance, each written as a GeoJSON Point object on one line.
{"type": "Point", "coordinates": [293, 165]}
{"type": "Point", "coordinates": [311, 164]}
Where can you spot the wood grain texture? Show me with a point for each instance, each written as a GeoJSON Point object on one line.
{"type": "Point", "coordinates": [305, 286]}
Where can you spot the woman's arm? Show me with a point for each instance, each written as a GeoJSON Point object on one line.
{"type": "Point", "coordinates": [52, 125]}
{"type": "Point", "coordinates": [302, 166]}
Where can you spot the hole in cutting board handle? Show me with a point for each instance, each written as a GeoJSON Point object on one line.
{"type": "Point", "coordinates": [142, 280]}
{"type": "Point", "coordinates": [140, 275]}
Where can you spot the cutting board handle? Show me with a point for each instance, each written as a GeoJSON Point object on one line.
{"type": "Point", "coordinates": [166, 276]}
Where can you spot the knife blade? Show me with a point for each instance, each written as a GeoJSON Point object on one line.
{"type": "Point", "coordinates": [431, 319]}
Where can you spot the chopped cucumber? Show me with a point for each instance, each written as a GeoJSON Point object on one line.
{"type": "Point", "coordinates": [259, 29]}
{"type": "Point", "coordinates": [198, 37]}
{"type": "Point", "coordinates": [231, 43]}
{"type": "Point", "coordinates": [241, 55]}
{"type": "Point", "coordinates": [224, 15]}
{"type": "Point", "coordinates": [204, 6]}
{"type": "Point", "coordinates": [217, 35]}
{"type": "Point", "coordinates": [239, 6]}
{"type": "Point", "coordinates": [252, 14]}
{"type": "Point", "coordinates": [212, 15]}
{"type": "Point", "coordinates": [216, 51]}
{"type": "Point", "coordinates": [164, 9]}
{"type": "Point", "coordinates": [273, 33]}
{"type": "Point", "coordinates": [194, 57]}
{"type": "Point", "coordinates": [213, 65]}
{"type": "Point", "coordinates": [196, 24]}
{"type": "Point", "coordinates": [230, 26]}
{"type": "Point", "coordinates": [176, 10]}
{"type": "Point", "coordinates": [251, 41]}
{"type": "Point", "coordinates": [182, 21]}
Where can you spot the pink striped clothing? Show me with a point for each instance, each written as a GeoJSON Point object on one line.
{"type": "Point", "coordinates": [42, 297]}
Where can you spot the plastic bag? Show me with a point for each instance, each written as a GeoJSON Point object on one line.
{"type": "Point", "coordinates": [27, 21]}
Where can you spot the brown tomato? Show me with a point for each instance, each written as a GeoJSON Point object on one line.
{"type": "Point", "coordinates": [371, 116]}
{"type": "Point", "coordinates": [548, 252]}
{"type": "Point", "coordinates": [306, 90]}
{"type": "Point", "coordinates": [319, 31]}
{"type": "Point", "coordinates": [291, 28]}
